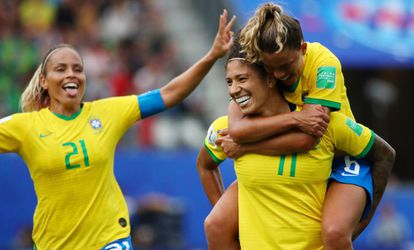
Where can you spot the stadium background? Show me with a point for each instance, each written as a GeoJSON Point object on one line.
{"type": "Point", "coordinates": [130, 46]}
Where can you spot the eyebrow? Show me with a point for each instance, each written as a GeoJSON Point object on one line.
{"type": "Point", "coordinates": [64, 64]}
{"type": "Point", "coordinates": [239, 75]}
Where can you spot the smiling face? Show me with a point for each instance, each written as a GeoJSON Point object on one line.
{"type": "Point", "coordinates": [250, 90]}
{"type": "Point", "coordinates": [64, 79]}
{"type": "Point", "coordinates": [287, 65]}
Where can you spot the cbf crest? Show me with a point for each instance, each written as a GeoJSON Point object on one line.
{"type": "Point", "coordinates": [96, 124]}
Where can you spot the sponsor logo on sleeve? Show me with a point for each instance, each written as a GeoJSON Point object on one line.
{"type": "Point", "coordinates": [212, 136]}
{"type": "Point", "coordinates": [326, 77]}
{"type": "Point", "coordinates": [354, 126]}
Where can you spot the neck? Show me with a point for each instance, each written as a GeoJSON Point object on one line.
{"type": "Point", "coordinates": [65, 111]}
{"type": "Point", "coordinates": [276, 105]}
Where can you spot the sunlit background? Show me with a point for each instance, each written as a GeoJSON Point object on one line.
{"type": "Point", "coordinates": [131, 46]}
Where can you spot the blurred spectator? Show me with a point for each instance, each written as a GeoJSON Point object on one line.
{"type": "Point", "coordinates": [17, 58]}
{"type": "Point", "coordinates": [158, 223]}
{"type": "Point", "coordinates": [153, 75]}
{"type": "Point", "coordinates": [23, 239]}
{"type": "Point", "coordinates": [119, 20]}
{"type": "Point", "coordinates": [130, 32]}
{"type": "Point", "coordinates": [37, 15]}
{"type": "Point", "coordinates": [98, 61]}
{"type": "Point", "coordinates": [66, 15]}
{"type": "Point", "coordinates": [391, 231]}
{"type": "Point", "coordinates": [382, 95]}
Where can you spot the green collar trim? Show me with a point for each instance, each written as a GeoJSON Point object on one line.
{"type": "Point", "coordinates": [69, 118]}
{"type": "Point", "coordinates": [335, 106]}
{"type": "Point", "coordinates": [292, 88]}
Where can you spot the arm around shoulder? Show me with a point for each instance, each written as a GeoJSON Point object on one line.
{"type": "Point", "coordinates": [287, 143]}
{"type": "Point", "coordinates": [247, 129]}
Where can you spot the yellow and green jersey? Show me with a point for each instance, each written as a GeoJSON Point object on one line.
{"type": "Point", "coordinates": [281, 197]}
{"type": "Point", "coordinates": [215, 151]}
{"type": "Point", "coordinates": [322, 81]}
{"type": "Point", "coordinates": [71, 159]}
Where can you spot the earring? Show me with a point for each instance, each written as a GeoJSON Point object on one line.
{"type": "Point", "coordinates": [271, 83]}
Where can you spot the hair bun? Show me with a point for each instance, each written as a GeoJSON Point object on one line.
{"type": "Point", "coordinates": [277, 8]}
{"type": "Point", "coordinates": [272, 8]}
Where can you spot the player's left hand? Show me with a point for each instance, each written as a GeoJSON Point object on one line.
{"type": "Point", "coordinates": [230, 148]}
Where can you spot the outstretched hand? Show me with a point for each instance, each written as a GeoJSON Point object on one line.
{"type": "Point", "coordinates": [224, 37]}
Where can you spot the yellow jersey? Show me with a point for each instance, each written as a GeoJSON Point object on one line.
{"type": "Point", "coordinates": [321, 82]}
{"type": "Point", "coordinates": [71, 159]}
{"type": "Point", "coordinates": [281, 197]}
{"type": "Point", "coordinates": [215, 151]}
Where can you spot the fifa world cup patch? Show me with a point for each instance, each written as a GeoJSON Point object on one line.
{"type": "Point", "coordinates": [326, 77]}
{"type": "Point", "coordinates": [96, 124]}
{"type": "Point", "coordinates": [212, 136]}
{"type": "Point", "coordinates": [354, 126]}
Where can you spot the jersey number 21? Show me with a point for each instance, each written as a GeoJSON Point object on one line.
{"type": "Point", "coordinates": [75, 151]}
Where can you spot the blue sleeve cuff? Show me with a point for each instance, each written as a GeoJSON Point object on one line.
{"type": "Point", "coordinates": [151, 103]}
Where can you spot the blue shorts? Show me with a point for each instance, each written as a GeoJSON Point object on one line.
{"type": "Point", "coordinates": [124, 244]}
{"type": "Point", "coordinates": [349, 170]}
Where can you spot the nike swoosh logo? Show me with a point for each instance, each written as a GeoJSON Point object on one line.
{"type": "Point", "coordinates": [345, 174]}
{"type": "Point", "coordinates": [44, 135]}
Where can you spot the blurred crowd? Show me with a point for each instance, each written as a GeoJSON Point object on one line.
{"type": "Point", "coordinates": [124, 44]}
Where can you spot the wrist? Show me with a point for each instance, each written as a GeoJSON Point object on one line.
{"type": "Point", "coordinates": [211, 56]}
{"type": "Point", "coordinates": [243, 149]}
{"type": "Point", "coordinates": [247, 148]}
{"type": "Point", "coordinates": [293, 119]}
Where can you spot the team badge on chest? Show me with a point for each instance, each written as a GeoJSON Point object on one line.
{"type": "Point", "coordinates": [96, 124]}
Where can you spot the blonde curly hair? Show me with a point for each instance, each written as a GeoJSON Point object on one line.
{"type": "Point", "coordinates": [270, 30]}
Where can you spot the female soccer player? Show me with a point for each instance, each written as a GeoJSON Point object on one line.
{"type": "Point", "coordinates": [280, 198]}
{"type": "Point", "coordinates": [312, 78]}
{"type": "Point", "coordinates": [69, 146]}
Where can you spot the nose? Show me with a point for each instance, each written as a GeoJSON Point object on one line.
{"type": "Point", "coordinates": [233, 89]}
{"type": "Point", "coordinates": [70, 72]}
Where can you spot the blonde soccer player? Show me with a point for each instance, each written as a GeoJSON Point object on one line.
{"type": "Point", "coordinates": [69, 145]}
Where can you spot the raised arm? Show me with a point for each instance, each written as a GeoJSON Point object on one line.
{"type": "Point", "coordinates": [181, 86]}
{"type": "Point", "coordinates": [382, 156]}
{"type": "Point", "coordinates": [210, 176]}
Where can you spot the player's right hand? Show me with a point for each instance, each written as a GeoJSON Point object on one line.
{"type": "Point", "coordinates": [313, 120]}
{"type": "Point", "coordinates": [224, 37]}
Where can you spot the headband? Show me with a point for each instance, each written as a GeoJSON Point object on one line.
{"type": "Point", "coordinates": [237, 58]}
